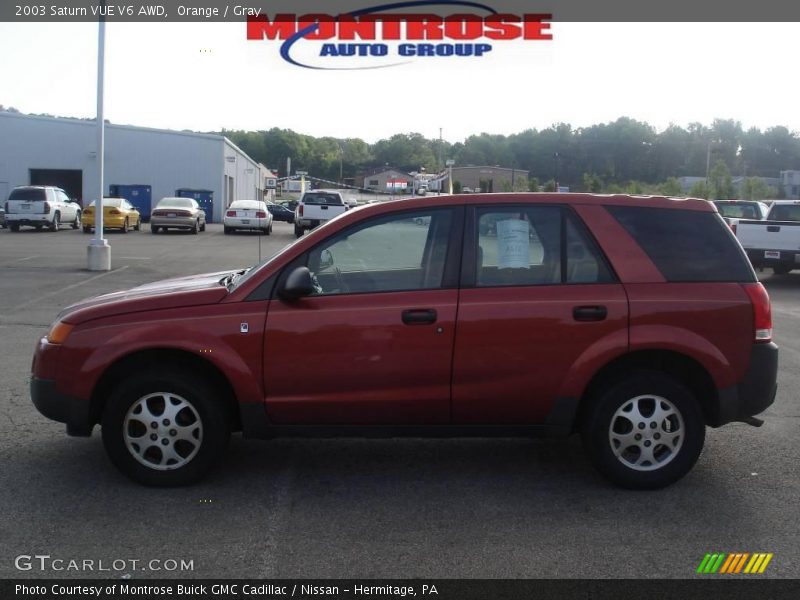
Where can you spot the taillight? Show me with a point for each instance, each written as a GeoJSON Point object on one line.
{"type": "Point", "coordinates": [261, 214]}
{"type": "Point", "coordinates": [230, 213]}
{"type": "Point", "coordinates": [762, 311]}
{"type": "Point", "coordinates": [300, 210]}
{"type": "Point", "coordinates": [47, 208]}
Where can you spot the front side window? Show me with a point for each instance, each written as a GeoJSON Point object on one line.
{"type": "Point", "coordinates": [396, 253]}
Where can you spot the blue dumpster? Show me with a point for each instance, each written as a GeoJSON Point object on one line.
{"type": "Point", "coordinates": [205, 198]}
{"type": "Point", "coordinates": [141, 196]}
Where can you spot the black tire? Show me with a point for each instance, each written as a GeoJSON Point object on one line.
{"type": "Point", "coordinates": [196, 229]}
{"type": "Point", "coordinates": [781, 269]}
{"type": "Point", "coordinates": [203, 226]}
{"type": "Point", "coordinates": [56, 224]}
{"type": "Point", "coordinates": [138, 226]}
{"type": "Point", "coordinates": [87, 230]}
{"type": "Point", "coordinates": [14, 227]}
{"type": "Point", "coordinates": [76, 224]}
{"type": "Point", "coordinates": [269, 229]}
{"type": "Point", "coordinates": [298, 231]}
{"type": "Point", "coordinates": [603, 413]}
{"type": "Point", "coordinates": [126, 226]}
{"type": "Point", "coordinates": [153, 229]}
{"type": "Point", "coordinates": [226, 230]}
{"type": "Point", "coordinates": [211, 414]}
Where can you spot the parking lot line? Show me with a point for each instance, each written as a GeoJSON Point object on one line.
{"type": "Point", "coordinates": [64, 289]}
{"type": "Point", "coordinates": [26, 258]}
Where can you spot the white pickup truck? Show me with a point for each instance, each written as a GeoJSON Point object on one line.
{"type": "Point", "coordinates": [41, 206]}
{"type": "Point", "coordinates": [317, 207]}
{"type": "Point", "coordinates": [775, 242]}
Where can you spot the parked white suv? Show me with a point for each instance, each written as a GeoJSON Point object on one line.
{"type": "Point", "coordinates": [41, 206]}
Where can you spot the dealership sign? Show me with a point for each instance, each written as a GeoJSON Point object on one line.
{"type": "Point", "coordinates": [380, 36]}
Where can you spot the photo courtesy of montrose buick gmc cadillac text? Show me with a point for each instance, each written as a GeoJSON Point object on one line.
{"type": "Point", "coordinates": [634, 321]}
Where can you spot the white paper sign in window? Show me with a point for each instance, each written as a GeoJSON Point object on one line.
{"type": "Point", "coordinates": [513, 244]}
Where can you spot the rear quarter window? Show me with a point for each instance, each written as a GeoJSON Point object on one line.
{"type": "Point", "coordinates": [28, 195]}
{"type": "Point", "coordinates": [784, 212]}
{"type": "Point", "coordinates": [686, 245]}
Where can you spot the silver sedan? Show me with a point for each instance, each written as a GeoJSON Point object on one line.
{"type": "Point", "coordinates": [178, 213]}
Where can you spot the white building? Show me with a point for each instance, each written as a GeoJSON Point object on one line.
{"type": "Point", "coordinates": [62, 152]}
{"type": "Point", "coordinates": [790, 180]}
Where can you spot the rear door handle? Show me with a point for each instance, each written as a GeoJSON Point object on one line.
{"type": "Point", "coordinates": [589, 313]}
{"type": "Point", "coordinates": [419, 316]}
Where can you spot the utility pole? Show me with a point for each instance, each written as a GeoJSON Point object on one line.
{"type": "Point", "coordinates": [98, 253]}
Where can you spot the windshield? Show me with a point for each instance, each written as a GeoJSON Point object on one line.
{"type": "Point", "coordinates": [785, 212]}
{"type": "Point", "coordinates": [236, 281]}
{"type": "Point", "coordinates": [740, 210]}
{"type": "Point", "coordinates": [108, 202]}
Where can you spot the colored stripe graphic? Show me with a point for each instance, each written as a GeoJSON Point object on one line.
{"type": "Point", "coordinates": [733, 563]}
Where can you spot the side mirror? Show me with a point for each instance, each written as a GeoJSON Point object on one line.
{"type": "Point", "coordinates": [297, 285]}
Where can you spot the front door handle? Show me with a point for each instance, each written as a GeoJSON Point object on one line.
{"type": "Point", "coordinates": [419, 316]}
{"type": "Point", "coordinates": [589, 313]}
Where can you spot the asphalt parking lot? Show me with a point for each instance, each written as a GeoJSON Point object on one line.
{"type": "Point", "coordinates": [366, 508]}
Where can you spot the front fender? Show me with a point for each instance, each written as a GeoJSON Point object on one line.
{"type": "Point", "coordinates": [209, 333]}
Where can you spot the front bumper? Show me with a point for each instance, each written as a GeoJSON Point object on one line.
{"type": "Point", "coordinates": [60, 407]}
{"type": "Point", "coordinates": [756, 390]}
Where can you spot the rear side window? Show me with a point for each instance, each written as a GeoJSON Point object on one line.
{"type": "Point", "coordinates": [686, 245]}
{"type": "Point", "coordinates": [28, 195]}
{"type": "Point", "coordinates": [534, 245]}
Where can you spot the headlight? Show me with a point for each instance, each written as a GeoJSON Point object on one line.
{"type": "Point", "coordinates": [58, 332]}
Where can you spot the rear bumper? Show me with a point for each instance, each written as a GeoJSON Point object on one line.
{"type": "Point", "coordinates": [755, 392]}
{"type": "Point", "coordinates": [758, 257]}
{"type": "Point", "coordinates": [176, 222]}
{"type": "Point", "coordinates": [28, 219]}
{"type": "Point", "coordinates": [60, 407]}
{"type": "Point", "coordinates": [252, 223]}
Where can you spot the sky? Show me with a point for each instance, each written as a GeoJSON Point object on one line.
{"type": "Point", "coordinates": [209, 77]}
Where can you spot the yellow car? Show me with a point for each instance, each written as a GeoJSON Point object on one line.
{"type": "Point", "coordinates": [118, 213]}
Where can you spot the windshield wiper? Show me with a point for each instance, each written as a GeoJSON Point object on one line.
{"type": "Point", "coordinates": [228, 280]}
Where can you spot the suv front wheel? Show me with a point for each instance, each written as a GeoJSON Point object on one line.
{"type": "Point", "coordinates": [644, 432]}
{"type": "Point", "coordinates": [165, 428]}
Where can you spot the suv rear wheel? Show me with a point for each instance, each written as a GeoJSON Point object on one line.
{"type": "Point", "coordinates": [77, 222]}
{"type": "Point", "coordinates": [55, 225]}
{"type": "Point", "coordinates": [165, 428]}
{"type": "Point", "coordinates": [644, 432]}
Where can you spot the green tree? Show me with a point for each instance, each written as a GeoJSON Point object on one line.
{"type": "Point", "coordinates": [457, 187]}
{"type": "Point", "coordinates": [699, 190]}
{"type": "Point", "coordinates": [755, 188]}
{"type": "Point", "coordinates": [720, 184]}
{"type": "Point", "coordinates": [671, 187]}
{"type": "Point", "coordinates": [533, 184]}
{"type": "Point", "coordinates": [549, 186]}
{"type": "Point", "coordinates": [592, 183]}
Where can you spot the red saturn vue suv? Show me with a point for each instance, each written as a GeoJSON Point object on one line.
{"type": "Point", "coordinates": [634, 321]}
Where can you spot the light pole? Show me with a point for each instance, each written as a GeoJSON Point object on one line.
{"type": "Point", "coordinates": [341, 156]}
{"type": "Point", "coordinates": [556, 156]}
{"type": "Point", "coordinates": [98, 252]}
{"type": "Point", "coordinates": [450, 162]}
